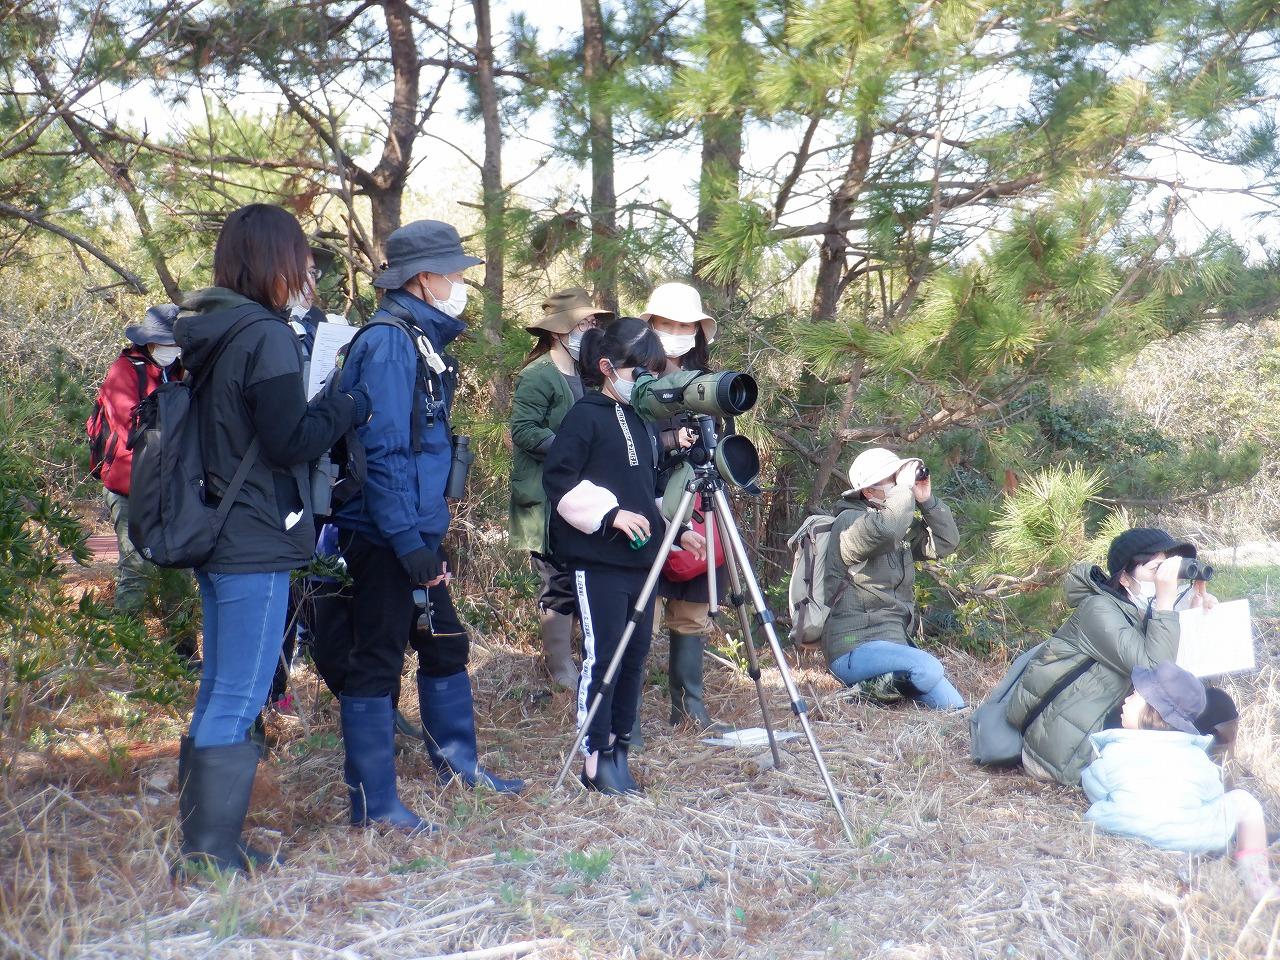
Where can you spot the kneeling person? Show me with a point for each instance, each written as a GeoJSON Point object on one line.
{"type": "Point", "coordinates": [875, 540]}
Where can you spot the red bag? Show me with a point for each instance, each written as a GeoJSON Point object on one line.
{"type": "Point", "coordinates": [682, 565]}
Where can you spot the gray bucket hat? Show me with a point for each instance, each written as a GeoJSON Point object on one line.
{"type": "Point", "coordinates": [156, 326]}
{"type": "Point", "coordinates": [1177, 694]}
{"type": "Point", "coordinates": [424, 246]}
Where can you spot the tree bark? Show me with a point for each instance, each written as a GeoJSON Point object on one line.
{"type": "Point", "coordinates": [493, 194]}
{"type": "Point", "coordinates": [835, 243]}
{"type": "Point", "coordinates": [721, 164]}
{"type": "Point", "coordinates": [601, 259]}
{"type": "Point", "coordinates": [384, 184]}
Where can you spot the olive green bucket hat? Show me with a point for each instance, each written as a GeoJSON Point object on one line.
{"type": "Point", "coordinates": [565, 309]}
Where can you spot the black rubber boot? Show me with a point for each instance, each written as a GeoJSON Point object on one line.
{"type": "Point", "coordinates": [218, 783]}
{"type": "Point", "coordinates": [251, 857]}
{"type": "Point", "coordinates": [621, 747]}
{"type": "Point", "coordinates": [606, 780]}
{"type": "Point", "coordinates": [686, 684]}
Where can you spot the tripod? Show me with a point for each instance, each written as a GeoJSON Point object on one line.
{"type": "Point", "coordinates": [708, 483]}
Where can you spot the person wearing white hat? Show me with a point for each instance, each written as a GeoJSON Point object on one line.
{"type": "Point", "coordinates": [887, 520]}
{"type": "Point", "coordinates": [674, 311]}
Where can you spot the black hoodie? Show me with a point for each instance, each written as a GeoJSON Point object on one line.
{"type": "Point", "coordinates": [255, 389]}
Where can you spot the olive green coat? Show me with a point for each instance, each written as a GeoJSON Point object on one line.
{"type": "Point", "coordinates": [874, 550]}
{"type": "Point", "coordinates": [1107, 629]}
{"type": "Point", "coordinates": [541, 399]}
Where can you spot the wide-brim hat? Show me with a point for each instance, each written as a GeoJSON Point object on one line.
{"type": "Point", "coordinates": [873, 465]}
{"type": "Point", "coordinates": [1176, 694]}
{"type": "Point", "coordinates": [156, 326]}
{"type": "Point", "coordinates": [424, 246]}
{"type": "Point", "coordinates": [681, 303]}
{"type": "Point", "coordinates": [565, 309]}
{"type": "Point", "coordinates": [1144, 540]}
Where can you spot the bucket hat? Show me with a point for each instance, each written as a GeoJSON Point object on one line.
{"type": "Point", "coordinates": [1144, 540]}
{"type": "Point", "coordinates": [874, 465]}
{"type": "Point", "coordinates": [1177, 695]}
{"type": "Point", "coordinates": [156, 326]}
{"type": "Point", "coordinates": [681, 303]}
{"type": "Point", "coordinates": [424, 246]}
{"type": "Point", "coordinates": [565, 309]}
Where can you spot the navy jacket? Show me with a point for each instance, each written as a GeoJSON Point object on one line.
{"type": "Point", "coordinates": [402, 504]}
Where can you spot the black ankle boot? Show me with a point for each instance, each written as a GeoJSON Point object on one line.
{"type": "Point", "coordinates": [622, 747]}
{"type": "Point", "coordinates": [606, 780]}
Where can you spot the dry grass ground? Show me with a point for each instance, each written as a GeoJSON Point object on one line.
{"type": "Point", "coordinates": [724, 857]}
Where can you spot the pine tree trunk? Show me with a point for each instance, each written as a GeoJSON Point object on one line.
{"type": "Point", "coordinates": [721, 150]}
{"type": "Point", "coordinates": [601, 260]}
{"type": "Point", "coordinates": [385, 183]}
{"type": "Point", "coordinates": [494, 197]}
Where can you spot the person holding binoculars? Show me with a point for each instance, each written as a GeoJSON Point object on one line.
{"type": "Point", "coordinates": [1123, 619]}
{"type": "Point", "coordinates": [391, 530]}
{"type": "Point", "coordinates": [887, 520]}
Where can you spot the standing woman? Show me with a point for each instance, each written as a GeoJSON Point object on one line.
{"type": "Point", "coordinates": [252, 408]}
{"type": "Point", "coordinates": [545, 389]}
{"type": "Point", "coordinates": [675, 314]}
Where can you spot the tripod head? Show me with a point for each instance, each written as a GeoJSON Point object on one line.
{"type": "Point", "coordinates": [712, 462]}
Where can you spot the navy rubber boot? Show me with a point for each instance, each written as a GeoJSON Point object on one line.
{"type": "Point", "coordinates": [370, 768]}
{"type": "Point", "coordinates": [449, 726]}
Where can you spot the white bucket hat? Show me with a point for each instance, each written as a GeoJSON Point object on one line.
{"type": "Point", "coordinates": [872, 466]}
{"type": "Point", "coordinates": [681, 303]}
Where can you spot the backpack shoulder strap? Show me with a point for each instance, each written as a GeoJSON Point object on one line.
{"type": "Point", "coordinates": [140, 368]}
{"type": "Point", "coordinates": [1066, 680]}
{"type": "Point", "coordinates": [254, 313]}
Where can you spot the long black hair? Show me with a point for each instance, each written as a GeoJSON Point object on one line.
{"type": "Point", "coordinates": [540, 349]}
{"type": "Point", "coordinates": [625, 342]}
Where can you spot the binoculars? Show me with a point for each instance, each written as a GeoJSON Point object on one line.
{"type": "Point", "coordinates": [1194, 570]}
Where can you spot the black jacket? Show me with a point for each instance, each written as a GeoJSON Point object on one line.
{"type": "Point", "coordinates": [602, 461]}
{"type": "Point", "coordinates": [256, 389]}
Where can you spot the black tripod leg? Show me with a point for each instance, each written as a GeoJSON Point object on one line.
{"type": "Point", "coordinates": [765, 618]}
{"type": "Point", "coordinates": [637, 612]}
{"type": "Point", "coordinates": [739, 601]}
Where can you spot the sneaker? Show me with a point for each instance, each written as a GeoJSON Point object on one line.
{"type": "Point", "coordinates": [882, 689]}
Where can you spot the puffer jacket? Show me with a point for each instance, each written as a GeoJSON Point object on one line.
{"type": "Point", "coordinates": [1108, 629]}
{"type": "Point", "coordinates": [1159, 786]}
{"type": "Point", "coordinates": [874, 550]}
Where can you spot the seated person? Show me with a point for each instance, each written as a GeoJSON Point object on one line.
{"type": "Point", "coordinates": [1121, 619]}
{"type": "Point", "coordinates": [1154, 780]}
{"type": "Point", "coordinates": [886, 521]}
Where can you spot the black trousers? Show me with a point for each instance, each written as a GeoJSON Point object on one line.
{"type": "Point", "coordinates": [605, 600]}
{"type": "Point", "coordinates": [385, 620]}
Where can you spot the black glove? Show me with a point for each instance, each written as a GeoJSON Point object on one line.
{"type": "Point", "coordinates": [422, 565]}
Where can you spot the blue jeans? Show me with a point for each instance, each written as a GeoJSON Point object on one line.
{"type": "Point", "coordinates": [923, 670]}
{"type": "Point", "coordinates": [244, 616]}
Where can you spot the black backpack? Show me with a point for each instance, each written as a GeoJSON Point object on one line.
{"type": "Point", "coordinates": [170, 521]}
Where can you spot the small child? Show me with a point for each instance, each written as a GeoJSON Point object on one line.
{"type": "Point", "coordinates": [605, 526]}
{"type": "Point", "coordinates": [1153, 779]}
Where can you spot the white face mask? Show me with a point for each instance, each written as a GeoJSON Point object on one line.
{"type": "Point", "coordinates": [163, 355]}
{"type": "Point", "coordinates": [573, 346]}
{"type": "Point", "coordinates": [1147, 589]}
{"type": "Point", "coordinates": [677, 344]}
{"type": "Point", "coordinates": [622, 388]}
{"type": "Point", "coordinates": [457, 301]}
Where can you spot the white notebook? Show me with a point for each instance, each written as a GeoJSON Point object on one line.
{"type": "Point", "coordinates": [1217, 642]}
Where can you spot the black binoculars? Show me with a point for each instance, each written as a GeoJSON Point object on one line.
{"type": "Point", "coordinates": [922, 472]}
{"type": "Point", "coordinates": [1194, 570]}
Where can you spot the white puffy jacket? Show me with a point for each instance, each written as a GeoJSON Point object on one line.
{"type": "Point", "coordinates": [1159, 786]}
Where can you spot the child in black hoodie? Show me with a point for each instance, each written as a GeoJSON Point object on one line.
{"type": "Point", "coordinates": [605, 526]}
